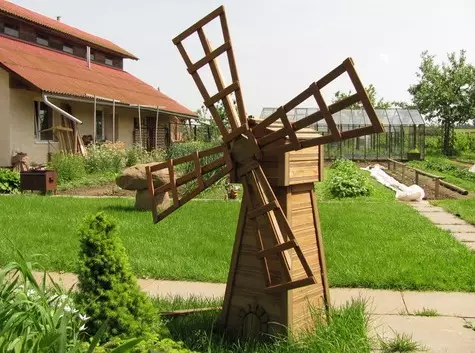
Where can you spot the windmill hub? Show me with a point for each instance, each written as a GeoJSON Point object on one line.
{"type": "Point", "coordinates": [243, 150]}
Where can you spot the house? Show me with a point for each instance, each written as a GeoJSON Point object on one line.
{"type": "Point", "coordinates": [60, 86]}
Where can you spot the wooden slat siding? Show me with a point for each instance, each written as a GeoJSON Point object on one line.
{"type": "Point", "coordinates": [302, 220]}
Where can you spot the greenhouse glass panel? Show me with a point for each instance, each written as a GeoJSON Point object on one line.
{"type": "Point", "coordinates": [416, 117]}
{"type": "Point", "coordinates": [405, 117]}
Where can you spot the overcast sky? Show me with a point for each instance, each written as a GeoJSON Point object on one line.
{"type": "Point", "coordinates": [280, 46]}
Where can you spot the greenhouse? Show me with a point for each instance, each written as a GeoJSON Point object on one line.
{"type": "Point", "coordinates": [403, 137]}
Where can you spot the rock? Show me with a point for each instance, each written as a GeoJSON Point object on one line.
{"type": "Point", "coordinates": [135, 177]}
{"type": "Point", "coordinates": [143, 200]}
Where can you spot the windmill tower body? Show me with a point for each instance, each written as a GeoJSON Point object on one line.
{"type": "Point", "coordinates": [248, 309]}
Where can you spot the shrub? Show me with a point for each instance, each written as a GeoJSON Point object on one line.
{"type": "Point", "coordinates": [108, 290]}
{"type": "Point", "coordinates": [108, 157]}
{"type": "Point", "coordinates": [347, 180]}
{"type": "Point", "coordinates": [69, 167]}
{"type": "Point", "coordinates": [137, 154]}
{"type": "Point", "coordinates": [9, 181]}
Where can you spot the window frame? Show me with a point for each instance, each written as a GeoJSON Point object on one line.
{"type": "Point", "coordinates": [109, 61]}
{"type": "Point", "coordinates": [69, 47]}
{"type": "Point", "coordinates": [40, 38]}
{"type": "Point", "coordinates": [14, 28]}
{"type": "Point", "coordinates": [41, 106]}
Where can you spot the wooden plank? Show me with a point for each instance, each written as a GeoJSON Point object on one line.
{"type": "Point", "coordinates": [290, 285]}
{"type": "Point", "coordinates": [263, 209]}
{"type": "Point", "coordinates": [213, 165]}
{"type": "Point", "coordinates": [211, 56]}
{"type": "Point", "coordinates": [326, 113]}
{"type": "Point", "coordinates": [211, 151]}
{"type": "Point", "coordinates": [174, 191]}
{"type": "Point", "coordinates": [237, 132]}
{"type": "Point", "coordinates": [190, 30]}
{"type": "Point", "coordinates": [278, 248]}
{"type": "Point", "coordinates": [332, 75]}
{"type": "Point", "coordinates": [151, 192]}
{"type": "Point", "coordinates": [222, 94]}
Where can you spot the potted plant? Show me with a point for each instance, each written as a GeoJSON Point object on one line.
{"type": "Point", "coordinates": [414, 155]}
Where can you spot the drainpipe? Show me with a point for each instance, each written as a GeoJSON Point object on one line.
{"type": "Point", "coordinates": [140, 127]}
{"type": "Point", "coordinates": [156, 127]}
{"type": "Point", "coordinates": [113, 121]}
{"type": "Point", "coordinates": [94, 122]}
{"type": "Point", "coordinates": [59, 110]}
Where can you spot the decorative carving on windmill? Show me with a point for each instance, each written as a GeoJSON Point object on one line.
{"type": "Point", "coordinates": [278, 265]}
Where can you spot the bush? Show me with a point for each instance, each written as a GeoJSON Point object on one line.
{"type": "Point", "coordinates": [108, 290]}
{"type": "Point", "coordinates": [152, 343]}
{"type": "Point", "coordinates": [9, 181]}
{"type": "Point", "coordinates": [347, 180]}
{"type": "Point", "coordinates": [69, 167]}
{"type": "Point", "coordinates": [108, 157]}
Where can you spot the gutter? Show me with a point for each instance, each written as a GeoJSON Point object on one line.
{"type": "Point", "coordinates": [59, 110]}
{"type": "Point", "coordinates": [118, 103]}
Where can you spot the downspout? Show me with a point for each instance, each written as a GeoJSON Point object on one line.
{"type": "Point", "coordinates": [94, 122]}
{"type": "Point", "coordinates": [140, 127]}
{"type": "Point", "coordinates": [59, 110]}
{"type": "Point", "coordinates": [113, 121]}
{"type": "Point", "coordinates": [156, 127]}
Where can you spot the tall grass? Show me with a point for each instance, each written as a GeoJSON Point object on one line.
{"type": "Point", "coordinates": [35, 317]}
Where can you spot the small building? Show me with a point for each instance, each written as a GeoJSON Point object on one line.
{"type": "Point", "coordinates": [404, 132]}
{"type": "Point", "coordinates": [61, 87]}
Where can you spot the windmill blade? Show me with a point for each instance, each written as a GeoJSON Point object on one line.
{"type": "Point", "coordinates": [288, 131]}
{"type": "Point", "coordinates": [203, 175]}
{"type": "Point", "coordinates": [237, 120]}
{"type": "Point", "coordinates": [275, 236]}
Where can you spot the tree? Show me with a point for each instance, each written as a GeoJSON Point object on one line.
{"type": "Point", "coordinates": [446, 94]}
{"type": "Point", "coordinates": [371, 91]}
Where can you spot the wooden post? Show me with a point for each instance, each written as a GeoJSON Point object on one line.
{"type": "Point", "coordinates": [403, 170]}
{"type": "Point", "coordinates": [436, 188]}
{"type": "Point", "coordinates": [417, 177]}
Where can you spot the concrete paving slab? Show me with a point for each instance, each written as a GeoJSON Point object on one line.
{"type": "Point", "coordinates": [443, 218]}
{"type": "Point", "coordinates": [470, 245]}
{"type": "Point", "coordinates": [469, 237]}
{"type": "Point", "coordinates": [448, 304]}
{"type": "Point", "coordinates": [458, 228]}
{"type": "Point", "coordinates": [65, 280]}
{"type": "Point", "coordinates": [436, 334]}
{"type": "Point", "coordinates": [379, 301]}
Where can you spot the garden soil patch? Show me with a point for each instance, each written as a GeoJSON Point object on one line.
{"type": "Point", "coordinates": [109, 189]}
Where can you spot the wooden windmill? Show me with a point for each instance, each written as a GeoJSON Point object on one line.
{"type": "Point", "coordinates": [277, 267]}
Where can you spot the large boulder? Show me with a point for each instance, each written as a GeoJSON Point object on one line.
{"type": "Point", "coordinates": [143, 200]}
{"type": "Point", "coordinates": [135, 177]}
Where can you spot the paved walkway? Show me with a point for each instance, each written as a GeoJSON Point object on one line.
{"type": "Point", "coordinates": [391, 311]}
{"type": "Point", "coordinates": [461, 230]}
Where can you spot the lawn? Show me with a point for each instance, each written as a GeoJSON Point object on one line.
{"type": "Point", "coordinates": [465, 208]}
{"type": "Point", "coordinates": [375, 242]}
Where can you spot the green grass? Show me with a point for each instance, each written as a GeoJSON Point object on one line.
{"type": "Point", "coordinates": [188, 245]}
{"type": "Point", "coordinates": [464, 208]}
{"type": "Point", "coordinates": [400, 343]}
{"type": "Point", "coordinates": [375, 242]}
{"type": "Point", "coordinates": [427, 312]}
{"type": "Point", "coordinates": [346, 332]}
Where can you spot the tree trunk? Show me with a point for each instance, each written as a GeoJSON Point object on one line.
{"type": "Point", "coordinates": [448, 138]}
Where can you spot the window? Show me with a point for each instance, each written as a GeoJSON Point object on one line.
{"type": "Point", "coordinates": [67, 49]}
{"type": "Point", "coordinates": [11, 30]}
{"type": "Point", "coordinates": [42, 40]}
{"type": "Point", "coordinates": [109, 62]}
{"type": "Point", "coordinates": [100, 125]}
{"type": "Point", "coordinates": [43, 121]}
{"type": "Point", "coordinates": [92, 57]}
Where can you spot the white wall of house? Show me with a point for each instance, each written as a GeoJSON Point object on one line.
{"type": "Point", "coordinates": [17, 122]}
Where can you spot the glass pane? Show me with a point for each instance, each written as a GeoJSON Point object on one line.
{"type": "Point", "coordinates": [382, 116]}
{"type": "Point", "coordinates": [416, 117]}
{"type": "Point", "coordinates": [406, 118]}
{"type": "Point", "coordinates": [393, 117]}
{"type": "Point", "coordinates": [266, 112]}
{"type": "Point", "coordinates": [358, 118]}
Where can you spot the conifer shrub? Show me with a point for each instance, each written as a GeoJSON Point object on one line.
{"type": "Point", "coordinates": [108, 290]}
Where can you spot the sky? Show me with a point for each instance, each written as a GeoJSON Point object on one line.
{"type": "Point", "coordinates": [280, 46]}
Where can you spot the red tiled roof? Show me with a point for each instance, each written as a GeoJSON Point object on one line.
{"type": "Point", "coordinates": [60, 73]}
{"type": "Point", "coordinates": [21, 12]}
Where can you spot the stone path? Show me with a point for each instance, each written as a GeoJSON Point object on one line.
{"type": "Point", "coordinates": [391, 311]}
{"type": "Point", "coordinates": [461, 230]}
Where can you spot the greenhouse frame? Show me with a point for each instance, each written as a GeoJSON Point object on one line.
{"type": "Point", "coordinates": [403, 137]}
